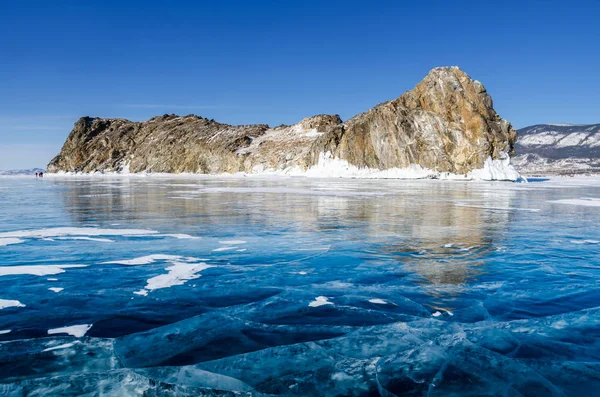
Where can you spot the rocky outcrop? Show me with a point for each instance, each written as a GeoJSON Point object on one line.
{"type": "Point", "coordinates": [445, 124]}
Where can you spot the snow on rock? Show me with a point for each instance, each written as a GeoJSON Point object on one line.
{"type": "Point", "coordinates": [329, 167]}
{"type": "Point", "coordinates": [5, 303]}
{"type": "Point", "coordinates": [77, 331]}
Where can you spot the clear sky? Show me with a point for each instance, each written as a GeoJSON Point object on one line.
{"type": "Point", "coordinates": [274, 62]}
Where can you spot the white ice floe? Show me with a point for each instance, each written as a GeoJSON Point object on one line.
{"type": "Point", "coordinates": [180, 236]}
{"type": "Point", "coordinates": [4, 331]}
{"type": "Point", "coordinates": [585, 241]}
{"type": "Point", "coordinates": [52, 279]}
{"type": "Point", "coordinates": [10, 241]}
{"type": "Point", "coordinates": [55, 289]}
{"type": "Point", "coordinates": [98, 239]}
{"type": "Point", "coordinates": [63, 346]}
{"type": "Point", "coordinates": [320, 301]}
{"type": "Point", "coordinates": [378, 301]}
{"type": "Point", "coordinates": [36, 270]}
{"type": "Point", "coordinates": [178, 274]}
{"type": "Point", "coordinates": [436, 314]}
{"type": "Point", "coordinates": [221, 249]}
{"type": "Point", "coordinates": [74, 330]}
{"type": "Point", "coordinates": [232, 242]}
{"type": "Point", "coordinates": [587, 202]}
{"type": "Point", "coordinates": [242, 250]}
{"type": "Point", "coordinates": [75, 231]}
{"type": "Point", "coordinates": [5, 303]}
{"type": "Point", "coordinates": [148, 259]}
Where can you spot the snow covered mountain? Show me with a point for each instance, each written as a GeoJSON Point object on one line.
{"type": "Point", "coordinates": [558, 148]}
{"type": "Point", "coordinates": [31, 171]}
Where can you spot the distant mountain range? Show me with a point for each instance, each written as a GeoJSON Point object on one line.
{"type": "Point", "coordinates": [558, 148]}
{"type": "Point", "coordinates": [30, 171]}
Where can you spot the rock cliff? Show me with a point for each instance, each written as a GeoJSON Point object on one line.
{"type": "Point", "coordinates": [446, 124]}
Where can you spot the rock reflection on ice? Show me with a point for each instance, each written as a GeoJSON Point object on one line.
{"type": "Point", "coordinates": [586, 202]}
{"type": "Point", "coordinates": [77, 331]}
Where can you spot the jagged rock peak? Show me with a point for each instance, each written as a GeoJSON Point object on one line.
{"type": "Point", "coordinates": [446, 123]}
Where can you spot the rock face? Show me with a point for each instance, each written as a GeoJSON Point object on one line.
{"type": "Point", "coordinates": [559, 149]}
{"type": "Point", "coordinates": [445, 124]}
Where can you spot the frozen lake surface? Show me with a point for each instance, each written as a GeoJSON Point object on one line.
{"type": "Point", "coordinates": [158, 286]}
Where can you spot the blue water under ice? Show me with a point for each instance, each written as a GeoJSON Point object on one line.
{"type": "Point", "coordinates": [207, 286]}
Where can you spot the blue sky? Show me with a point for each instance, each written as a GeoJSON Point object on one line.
{"type": "Point", "coordinates": [274, 62]}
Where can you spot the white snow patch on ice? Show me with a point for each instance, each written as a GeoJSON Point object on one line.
{"type": "Point", "coordinates": [232, 242]}
{"type": "Point", "coordinates": [221, 249]}
{"type": "Point", "coordinates": [378, 301]}
{"type": "Point", "coordinates": [148, 259]}
{"type": "Point", "coordinates": [52, 279]}
{"type": "Point", "coordinates": [585, 241]}
{"type": "Point", "coordinates": [587, 202]}
{"type": "Point", "coordinates": [320, 301]}
{"type": "Point", "coordinates": [98, 239]}
{"type": "Point", "coordinates": [436, 314]}
{"type": "Point", "coordinates": [10, 241]}
{"type": "Point", "coordinates": [36, 270]}
{"type": "Point", "coordinates": [75, 231]}
{"type": "Point", "coordinates": [55, 289]}
{"type": "Point", "coordinates": [63, 346]}
{"type": "Point", "coordinates": [4, 331]}
{"type": "Point", "coordinates": [74, 330]}
{"type": "Point", "coordinates": [4, 303]}
{"type": "Point", "coordinates": [178, 274]}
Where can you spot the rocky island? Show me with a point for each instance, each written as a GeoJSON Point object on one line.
{"type": "Point", "coordinates": [445, 127]}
